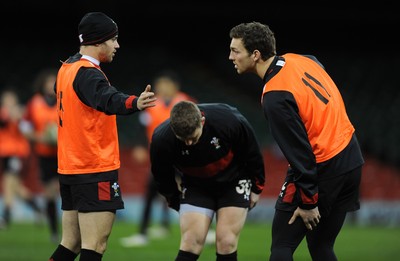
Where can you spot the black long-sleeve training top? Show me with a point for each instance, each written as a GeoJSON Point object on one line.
{"type": "Point", "coordinates": [227, 150]}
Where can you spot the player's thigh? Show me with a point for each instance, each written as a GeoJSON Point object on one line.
{"type": "Point", "coordinates": [230, 220]}
{"type": "Point", "coordinates": [99, 223]}
{"type": "Point", "coordinates": [70, 222]}
{"type": "Point", "coordinates": [194, 223]}
{"type": "Point", "coordinates": [95, 226]}
{"type": "Point", "coordinates": [71, 237]}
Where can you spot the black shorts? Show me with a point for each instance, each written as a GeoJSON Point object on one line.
{"type": "Point", "coordinates": [91, 197]}
{"type": "Point", "coordinates": [48, 168]}
{"type": "Point", "coordinates": [340, 193]}
{"type": "Point", "coordinates": [235, 194]}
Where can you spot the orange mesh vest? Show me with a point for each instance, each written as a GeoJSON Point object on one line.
{"type": "Point", "coordinates": [12, 141]}
{"type": "Point", "coordinates": [42, 115]}
{"type": "Point", "coordinates": [320, 104]}
{"type": "Point", "coordinates": [87, 138]}
{"type": "Point", "coordinates": [161, 112]}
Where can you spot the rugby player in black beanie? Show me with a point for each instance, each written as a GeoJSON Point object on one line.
{"type": "Point", "coordinates": [88, 149]}
{"type": "Point", "coordinates": [95, 28]}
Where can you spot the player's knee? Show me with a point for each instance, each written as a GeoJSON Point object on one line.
{"type": "Point", "coordinates": [226, 244]}
{"type": "Point", "coordinates": [324, 252]}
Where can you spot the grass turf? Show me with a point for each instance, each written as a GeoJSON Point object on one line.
{"type": "Point", "coordinates": [29, 242]}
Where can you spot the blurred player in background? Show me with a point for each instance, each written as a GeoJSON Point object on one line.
{"type": "Point", "coordinates": [14, 154]}
{"type": "Point", "coordinates": [41, 129]}
{"type": "Point", "coordinates": [167, 88]}
{"type": "Point", "coordinates": [309, 122]}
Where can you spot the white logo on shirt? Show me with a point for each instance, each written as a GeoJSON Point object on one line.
{"type": "Point", "coordinates": [215, 142]}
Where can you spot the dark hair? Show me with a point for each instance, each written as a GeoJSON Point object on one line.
{"type": "Point", "coordinates": [40, 79]}
{"type": "Point", "coordinates": [185, 118]}
{"type": "Point", "coordinates": [169, 74]}
{"type": "Point", "coordinates": [256, 36]}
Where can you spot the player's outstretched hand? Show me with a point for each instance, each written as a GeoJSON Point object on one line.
{"type": "Point", "coordinates": [146, 99]}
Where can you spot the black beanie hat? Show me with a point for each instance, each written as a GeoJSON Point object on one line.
{"type": "Point", "coordinates": [95, 28]}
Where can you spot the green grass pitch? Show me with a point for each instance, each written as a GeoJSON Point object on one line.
{"type": "Point", "coordinates": [29, 242]}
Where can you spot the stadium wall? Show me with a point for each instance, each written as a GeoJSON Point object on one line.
{"type": "Point", "coordinates": [380, 190]}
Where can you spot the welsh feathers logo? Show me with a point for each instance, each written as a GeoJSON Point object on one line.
{"type": "Point", "coordinates": [115, 186]}
{"type": "Point", "coordinates": [215, 142]}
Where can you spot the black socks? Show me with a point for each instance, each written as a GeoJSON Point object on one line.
{"type": "Point", "coordinates": [186, 256]}
{"type": "Point", "coordinates": [89, 255]}
{"type": "Point", "coordinates": [228, 257]}
{"type": "Point", "coordinates": [63, 254]}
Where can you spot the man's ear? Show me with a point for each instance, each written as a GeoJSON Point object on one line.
{"type": "Point", "coordinates": [256, 55]}
{"type": "Point", "coordinates": [203, 119]}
